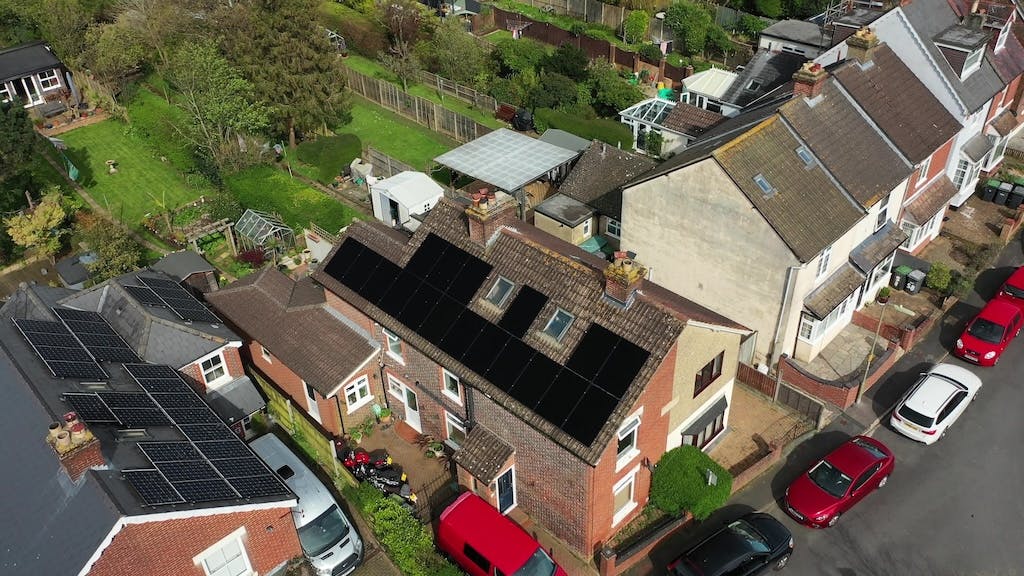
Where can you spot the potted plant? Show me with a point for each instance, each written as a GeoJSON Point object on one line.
{"type": "Point", "coordinates": [884, 293]}
{"type": "Point", "coordinates": [356, 435]}
{"type": "Point", "coordinates": [385, 416]}
{"type": "Point", "coordinates": [435, 449]}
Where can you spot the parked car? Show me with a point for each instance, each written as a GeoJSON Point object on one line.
{"type": "Point", "coordinates": [327, 536]}
{"type": "Point", "coordinates": [838, 481]}
{"type": "Point", "coordinates": [935, 402]}
{"type": "Point", "coordinates": [1013, 289]}
{"type": "Point", "coordinates": [747, 546]}
{"type": "Point", "coordinates": [987, 335]}
{"type": "Point", "coordinates": [483, 542]}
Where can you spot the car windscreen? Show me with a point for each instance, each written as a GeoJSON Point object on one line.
{"type": "Point", "coordinates": [747, 532]}
{"type": "Point", "coordinates": [830, 479]}
{"type": "Point", "coordinates": [870, 448]}
{"type": "Point", "coordinates": [540, 564]}
{"type": "Point", "coordinates": [323, 532]}
{"type": "Point", "coordinates": [915, 417]}
{"type": "Point", "coordinates": [1014, 291]}
{"type": "Point", "coordinates": [986, 330]}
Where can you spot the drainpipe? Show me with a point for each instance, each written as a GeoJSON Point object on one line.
{"type": "Point", "coordinates": [337, 404]}
{"type": "Point", "coordinates": [787, 296]}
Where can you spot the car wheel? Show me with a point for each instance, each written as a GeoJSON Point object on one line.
{"type": "Point", "coordinates": [834, 519]}
{"type": "Point", "coordinates": [943, 435]}
{"type": "Point", "coordinates": [781, 562]}
{"type": "Point", "coordinates": [883, 481]}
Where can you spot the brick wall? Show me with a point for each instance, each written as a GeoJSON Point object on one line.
{"type": "Point", "coordinates": [349, 311]}
{"type": "Point", "coordinates": [839, 394]}
{"type": "Point", "coordinates": [168, 547]}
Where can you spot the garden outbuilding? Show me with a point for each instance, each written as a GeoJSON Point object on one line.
{"type": "Point", "coordinates": [257, 229]}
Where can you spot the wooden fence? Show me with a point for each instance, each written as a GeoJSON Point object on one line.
{"type": "Point", "coordinates": [420, 110]}
{"type": "Point", "coordinates": [453, 88]}
{"type": "Point", "coordinates": [385, 166]}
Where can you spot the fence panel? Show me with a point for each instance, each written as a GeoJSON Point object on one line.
{"type": "Point", "coordinates": [800, 402]}
{"type": "Point", "coordinates": [385, 166]}
{"type": "Point", "coordinates": [763, 383]}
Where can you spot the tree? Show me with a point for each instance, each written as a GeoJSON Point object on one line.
{"type": "Point", "coordinates": [751, 25]}
{"type": "Point", "coordinates": [768, 8]}
{"type": "Point", "coordinates": [279, 46]}
{"type": "Point", "coordinates": [512, 56]}
{"type": "Point", "coordinates": [691, 23]}
{"type": "Point", "coordinates": [159, 24]}
{"type": "Point", "coordinates": [403, 20]}
{"type": "Point", "coordinates": [610, 93]}
{"type": "Point", "coordinates": [218, 102]}
{"type": "Point", "coordinates": [402, 63]}
{"type": "Point", "coordinates": [553, 91]}
{"type": "Point", "coordinates": [568, 60]}
{"type": "Point", "coordinates": [18, 141]}
{"type": "Point", "coordinates": [453, 53]}
{"type": "Point", "coordinates": [115, 51]}
{"type": "Point", "coordinates": [635, 26]}
{"type": "Point", "coordinates": [116, 252]}
{"type": "Point", "coordinates": [43, 227]}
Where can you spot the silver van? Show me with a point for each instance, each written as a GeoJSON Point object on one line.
{"type": "Point", "coordinates": [328, 539]}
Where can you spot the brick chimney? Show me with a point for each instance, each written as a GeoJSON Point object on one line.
{"type": "Point", "coordinates": [810, 79]}
{"type": "Point", "coordinates": [862, 44]}
{"type": "Point", "coordinates": [490, 211]}
{"type": "Point", "coordinates": [622, 277]}
{"type": "Point", "coordinates": [76, 447]}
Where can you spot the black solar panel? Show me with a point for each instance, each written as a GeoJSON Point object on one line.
{"type": "Point", "coordinates": [41, 326]}
{"type": "Point", "coordinates": [488, 346]}
{"type": "Point", "coordinates": [466, 284]}
{"type": "Point", "coordinates": [447, 268]}
{"type": "Point", "coordinates": [426, 255]}
{"type": "Point", "coordinates": [564, 393]}
{"type": "Point", "coordinates": [184, 471]}
{"type": "Point", "coordinates": [223, 449]}
{"type": "Point", "coordinates": [378, 283]}
{"type": "Point", "coordinates": [163, 385]}
{"type": "Point", "coordinates": [126, 399]}
{"type": "Point", "coordinates": [86, 370]}
{"type": "Point", "coordinates": [144, 295]}
{"type": "Point", "coordinates": [107, 340]}
{"type": "Point", "coordinates": [77, 354]}
{"type": "Point", "coordinates": [592, 351]}
{"type": "Point", "coordinates": [462, 334]}
{"type": "Point", "coordinates": [508, 366]}
{"type": "Point", "coordinates": [121, 355]}
{"type": "Point", "coordinates": [343, 259]}
{"type": "Point", "coordinates": [203, 315]}
{"type": "Point", "coordinates": [169, 451]}
{"type": "Point", "coordinates": [621, 368]}
{"type": "Point", "coordinates": [401, 290]}
{"type": "Point", "coordinates": [364, 265]}
{"type": "Point", "coordinates": [141, 417]}
{"type": "Point", "coordinates": [151, 371]}
{"type": "Point", "coordinates": [179, 300]}
{"type": "Point", "coordinates": [89, 407]}
{"type": "Point", "coordinates": [81, 327]}
{"type": "Point", "coordinates": [183, 303]}
{"type": "Point", "coordinates": [522, 311]}
{"type": "Point", "coordinates": [51, 339]}
{"type": "Point", "coordinates": [535, 380]}
{"type": "Point", "coordinates": [79, 315]}
{"type": "Point", "coordinates": [168, 292]}
{"type": "Point", "coordinates": [203, 432]}
{"type": "Point", "coordinates": [446, 311]}
{"type": "Point", "coordinates": [180, 400]}
{"type": "Point", "coordinates": [205, 490]}
{"type": "Point", "coordinates": [151, 487]}
{"type": "Point", "coordinates": [240, 467]}
{"type": "Point", "coordinates": [258, 486]}
{"type": "Point", "coordinates": [590, 414]}
{"type": "Point", "coordinates": [419, 306]}
{"type": "Point", "coordinates": [193, 415]}
{"type": "Point", "coordinates": [155, 283]}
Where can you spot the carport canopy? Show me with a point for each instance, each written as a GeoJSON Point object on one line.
{"type": "Point", "coordinates": [505, 159]}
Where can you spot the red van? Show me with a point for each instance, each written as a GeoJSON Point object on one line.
{"type": "Point", "coordinates": [485, 543]}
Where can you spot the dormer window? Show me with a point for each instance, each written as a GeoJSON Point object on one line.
{"type": "Point", "coordinates": [963, 45]}
{"type": "Point", "coordinates": [1004, 32]}
{"type": "Point", "coordinates": [973, 62]}
{"type": "Point", "coordinates": [763, 184]}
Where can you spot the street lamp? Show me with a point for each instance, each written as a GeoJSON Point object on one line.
{"type": "Point", "coordinates": [871, 353]}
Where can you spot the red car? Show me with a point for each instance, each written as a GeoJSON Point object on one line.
{"type": "Point", "coordinates": [988, 334]}
{"type": "Point", "coordinates": [1013, 289]}
{"type": "Point", "coordinates": [832, 486]}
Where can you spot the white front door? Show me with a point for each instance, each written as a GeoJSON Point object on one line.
{"type": "Point", "coordinates": [412, 410]}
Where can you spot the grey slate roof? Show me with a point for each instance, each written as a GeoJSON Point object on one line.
{"type": "Point", "coordinates": [898, 103]}
{"type": "Point", "coordinates": [877, 247]}
{"type": "Point", "coordinates": [564, 139]}
{"type": "Point", "coordinates": [72, 268]}
{"type": "Point", "coordinates": [26, 59]}
{"type": "Point", "coordinates": [236, 399]}
{"type": "Point", "coordinates": [834, 290]}
{"type": "Point", "coordinates": [598, 175]}
{"type": "Point", "coordinates": [800, 31]}
{"type": "Point", "coordinates": [806, 210]}
{"type": "Point", "coordinates": [291, 321]}
{"type": "Point", "coordinates": [51, 525]}
{"type": "Point", "coordinates": [765, 72]}
{"type": "Point", "coordinates": [483, 453]}
{"type": "Point", "coordinates": [182, 264]}
{"type": "Point", "coordinates": [571, 278]}
{"type": "Point", "coordinates": [566, 210]}
{"type": "Point", "coordinates": [506, 159]}
{"type": "Point", "coordinates": [977, 147]}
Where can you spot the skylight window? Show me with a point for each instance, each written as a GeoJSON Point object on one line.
{"type": "Point", "coordinates": [763, 184]}
{"type": "Point", "coordinates": [558, 324]}
{"type": "Point", "coordinates": [805, 156]}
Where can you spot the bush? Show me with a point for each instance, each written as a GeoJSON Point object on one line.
{"type": "Point", "coordinates": [938, 277]}
{"type": "Point", "coordinates": [679, 483]}
{"type": "Point", "coordinates": [254, 258]}
{"type": "Point", "coordinates": [603, 129]}
{"type": "Point", "coordinates": [651, 54]}
{"type": "Point", "coordinates": [330, 154]}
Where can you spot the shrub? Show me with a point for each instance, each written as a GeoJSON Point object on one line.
{"type": "Point", "coordinates": [603, 129]}
{"type": "Point", "coordinates": [959, 285]}
{"type": "Point", "coordinates": [330, 154]}
{"type": "Point", "coordinates": [938, 277]}
{"type": "Point", "coordinates": [680, 482]}
{"type": "Point", "coordinates": [254, 258]}
{"type": "Point", "coordinates": [650, 53]}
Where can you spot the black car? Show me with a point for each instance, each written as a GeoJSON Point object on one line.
{"type": "Point", "coordinates": [747, 546]}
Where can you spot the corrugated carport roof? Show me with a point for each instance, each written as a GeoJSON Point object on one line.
{"type": "Point", "coordinates": [505, 159]}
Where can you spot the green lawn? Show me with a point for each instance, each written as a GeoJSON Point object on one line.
{"type": "Point", "coordinates": [270, 190]}
{"type": "Point", "coordinates": [395, 136]}
{"type": "Point", "coordinates": [142, 181]}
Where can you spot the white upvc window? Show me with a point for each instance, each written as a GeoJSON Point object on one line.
{"type": "Point", "coordinates": [627, 439]}
{"type": "Point", "coordinates": [396, 388]}
{"type": "Point", "coordinates": [213, 369]}
{"type": "Point", "coordinates": [922, 172]}
{"type": "Point", "coordinates": [227, 557]}
{"type": "Point", "coordinates": [624, 496]}
{"type": "Point", "coordinates": [586, 228]}
{"type": "Point", "coordinates": [311, 403]}
{"type": "Point", "coordinates": [5, 92]}
{"type": "Point", "coordinates": [394, 345]}
{"type": "Point", "coordinates": [357, 394]}
{"type": "Point", "coordinates": [823, 262]}
{"type": "Point", "coordinates": [973, 62]}
{"type": "Point", "coordinates": [452, 388]}
{"type": "Point", "coordinates": [455, 430]}
{"type": "Point", "coordinates": [614, 228]}
{"type": "Point", "coordinates": [812, 329]}
{"type": "Point", "coordinates": [266, 354]}
{"type": "Point", "coordinates": [883, 212]}
{"type": "Point", "coordinates": [49, 80]}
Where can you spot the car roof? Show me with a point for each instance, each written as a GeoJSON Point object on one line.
{"type": "Point", "coordinates": [998, 311]}
{"type": "Point", "coordinates": [851, 459]}
{"type": "Point", "coordinates": [721, 552]}
{"type": "Point", "coordinates": [495, 536]}
{"type": "Point", "coordinates": [932, 394]}
{"type": "Point", "coordinates": [313, 496]}
{"type": "Point", "coordinates": [1017, 278]}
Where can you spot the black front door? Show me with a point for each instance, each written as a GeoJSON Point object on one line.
{"type": "Point", "coordinates": [506, 492]}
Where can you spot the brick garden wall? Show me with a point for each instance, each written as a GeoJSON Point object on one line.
{"type": "Point", "coordinates": [168, 547]}
{"type": "Point", "coordinates": [839, 393]}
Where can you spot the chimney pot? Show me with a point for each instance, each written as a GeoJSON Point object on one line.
{"type": "Point", "coordinates": [623, 277]}
{"type": "Point", "coordinates": [490, 214]}
{"type": "Point", "coordinates": [55, 429]}
{"type": "Point", "coordinates": [63, 442]}
{"type": "Point", "coordinates": [809, 80]}
{"type": "Point", "coordinates": [861, 45]}
{"type": "Point", "coordinates": [70, 419]}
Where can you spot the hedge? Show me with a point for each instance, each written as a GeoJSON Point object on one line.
{"type": "Point", "coordinates": [603, 129]}
{"type": "Point", "coordinates": [680, 482]}
{"type": "Point", "coordinates": [330, 154]}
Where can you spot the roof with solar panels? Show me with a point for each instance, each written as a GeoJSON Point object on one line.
{"type": "Point", "coordinates": [432, 291]}
{"type": "Point", "coordinates": [165, 449]}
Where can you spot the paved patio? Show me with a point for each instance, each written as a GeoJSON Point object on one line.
{"type": "Point", "coordinates": [755, 424]}
{"type": "Point", "coordinates": [39, 271]}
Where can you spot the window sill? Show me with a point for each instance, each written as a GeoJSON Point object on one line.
{"type": "Point", "coordinates": [447, 394]}
{"type": "Point", "coordinates": [622, 514]}
{"type": "Point", "coordinates": [396, 357]}
{"type": "Point", "coordinates": [353, 407]}
{"type": "Point", "coordinates": [626, 459]}
{"type": "Point", "coordinates": [217, 382]}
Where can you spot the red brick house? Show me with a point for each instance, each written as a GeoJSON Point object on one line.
{"type": "Point", "coordinates": [122, 468]}
{"type": "Point", "coordinates": [325, 363]}
{"type": "Point", "coordinates": [556, 377]}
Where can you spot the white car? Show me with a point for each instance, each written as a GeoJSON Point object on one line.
{"type": "Point", "coordinates": [931, 406]}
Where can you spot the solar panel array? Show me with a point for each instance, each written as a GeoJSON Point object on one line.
{"type": "Point", "coordinates": [167, 293]}
{"type": "Point", "coordinates": [212, 464]}
{"type": "Point", "coordinates": [58, 348]}
{"type": "Point", "coordinates": [430, 296]}
{"type": "Point", "coordinates": [99, 338]}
